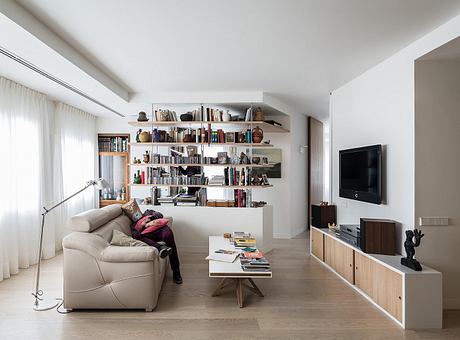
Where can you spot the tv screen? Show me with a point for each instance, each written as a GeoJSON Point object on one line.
{"type": "Point", "coordinates": [360, 174]}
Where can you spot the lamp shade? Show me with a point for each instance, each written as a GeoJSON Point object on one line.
{"type": "Point", "coordinates": [101, 183]}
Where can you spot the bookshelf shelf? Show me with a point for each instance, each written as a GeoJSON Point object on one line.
{"type": "Point", "coordinates": [243, 145]}
{"type": "Point", "coordinates": [267, 127]}
{"type": "Point", "coordinates": [113, 156]}
{"type": "Point", "coordinates": [107, 153]}
{"type": "Point", "coordinates": [212, 165]}
{"type": "Point", "coordinates": [204, 186]}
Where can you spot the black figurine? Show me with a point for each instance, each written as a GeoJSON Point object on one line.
{"type": "Point", "coordinates": [409, 246]}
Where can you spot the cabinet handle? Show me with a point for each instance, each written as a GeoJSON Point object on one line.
{"type": "Point", "coordinates": [399, 297]}
{"type": "Point", "coordinates": [351, 265]}
{"type": "Point", "coordinates": [356, 267]}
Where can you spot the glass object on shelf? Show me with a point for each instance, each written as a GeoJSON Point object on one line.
{"type": "Point", "coordinates": [113, 170]}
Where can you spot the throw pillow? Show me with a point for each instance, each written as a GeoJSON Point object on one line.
{"type": "Point", "coordinates": [121, 239]}
{"type": "Point", "coordinates": [155, 225]}
{"type": "Point", "coordinates": [131, 209]}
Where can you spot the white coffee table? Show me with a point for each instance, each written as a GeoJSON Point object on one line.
{"type": "Point", "coordinates": [232, 272]}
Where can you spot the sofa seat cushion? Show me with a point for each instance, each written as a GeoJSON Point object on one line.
{"type": "Point", "coordinates": [128, 254]}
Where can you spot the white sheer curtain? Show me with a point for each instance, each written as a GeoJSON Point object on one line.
{"type": "Point", "coordinates": [25, 173]}
{"type": "Point", "coordinates": [48, 153]}
{"type": "Point", "coordinates": [75, 162]}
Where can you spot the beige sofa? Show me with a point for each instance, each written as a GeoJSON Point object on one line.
{"type": "Point", "coordinates": [99, 275]}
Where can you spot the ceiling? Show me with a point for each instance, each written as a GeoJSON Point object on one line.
{"type": "Point", "coordinates": [297, 51]}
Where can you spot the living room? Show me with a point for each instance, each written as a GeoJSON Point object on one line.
{"type": "Point", "coordinates": [208, 169]}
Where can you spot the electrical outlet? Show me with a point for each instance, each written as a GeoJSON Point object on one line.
{"type": "Point", "coordinates": [433, 221]}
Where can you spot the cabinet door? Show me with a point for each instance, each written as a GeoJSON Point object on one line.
{"type": "Point", "coordinates": [363, 273]}
{"type": "Point", "coordinates": [344, 261]}
{"type": "Point", "coordinates": [339, 257]}
{"type": "Point", "coordinates": [317, 244]}
{"type": "Point", "coordinates": [329, 252]}
{"type": "Point", "coordinates": [387, 289]}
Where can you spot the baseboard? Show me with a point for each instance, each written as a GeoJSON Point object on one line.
{"type": "Point", "coordinates": [283, 236]}
{"type": "Point", "coordinates": [289, 235]}
{"type": "Point", "coordinates": [451, 303]}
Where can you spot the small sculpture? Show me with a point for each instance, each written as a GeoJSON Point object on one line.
{"type": "Point", "coordinates": [257, 135]}
{"type": "Point", "coordinates": [146, 156]}
{"type": "Point", "coordinates": [142, 117]}
{"type": "Point", "coordinates": [409, 246]}
{"type": "Point", "coordinates": [137, 135]}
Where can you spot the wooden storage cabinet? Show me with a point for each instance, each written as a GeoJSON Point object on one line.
{"type": "Point", "coordinates": [413, 299]}
{"type": "Point", "coordinates": [317, 244]}
{"type": "Point", "coordinates": [339, 257]}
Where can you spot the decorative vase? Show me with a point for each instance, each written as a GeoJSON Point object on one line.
{"type": "Point", "coordinates": [187, 137]}
{"type": "Point", "coordinates": [257, 135]}
{"type": "Point", "coordinates": [186, 117]}
{"type": "Point", "coordinates": [144, 137]}
{"type": "Point", "coordinates": [226, 117]}
{"type": "Point", "coordinates": [258, 115]}
{"type": "Point", "coordinates": [255, 160]}
{"type": "Point", "coordinates": [142, 117]}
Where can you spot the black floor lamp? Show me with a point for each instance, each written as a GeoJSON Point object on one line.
{"type": "Point", "coordinates": [42, 303]}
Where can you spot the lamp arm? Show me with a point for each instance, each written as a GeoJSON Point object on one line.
{"type": "Point", "coordinates": [47, 210]}
{"type": "Point", "coordinates": [38, 293]}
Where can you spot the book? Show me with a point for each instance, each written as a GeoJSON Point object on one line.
{"type": "Point", "coordinates": [229, 258]}
{"type": "Point", "coordinates": [244, 242]}
{"type": "Point", "coordinates": [253, 255]}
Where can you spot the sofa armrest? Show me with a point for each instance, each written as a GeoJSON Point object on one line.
{"type": "Point", "coordinates": [91, 244]}
{"type": "Point", "coordinates": [128, 254]}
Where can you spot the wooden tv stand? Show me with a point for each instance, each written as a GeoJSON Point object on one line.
{"type": "Point", "coordinates": [412, 299]}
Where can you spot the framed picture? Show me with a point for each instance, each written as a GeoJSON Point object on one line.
{"type": "Point", "coordinates": [265, 179]}
{"type": "Point", "coordinates": [229, 137]}
{"type": "Point", "coordinates": [270, 157]}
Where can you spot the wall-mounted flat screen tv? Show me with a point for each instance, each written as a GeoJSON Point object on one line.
{"type": "Point", "coordinates": [360, 174]}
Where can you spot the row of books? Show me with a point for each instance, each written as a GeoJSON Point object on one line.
{"type": "Point", "coordinates": [208, 114]}
{"type": "Point", "coordinates": [242, 198]}
{"type": "Point", "coordinates": [158, 176]}
{"type": "Point", "coordinates": [201, 135]}
{"type": "Point", "coordinates": [233, 176]}
{"type": "Point", "coordinates": [113, 144]}
{"type": "Point", "coordinates": [161, 159]}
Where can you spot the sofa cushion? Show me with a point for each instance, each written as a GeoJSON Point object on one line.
{"type": "Point", "coordinates": [132, 210]}
{"type": "Point", "coordinates": [121, 239]}
{"type": "Point", "coordinates": [90, 220]}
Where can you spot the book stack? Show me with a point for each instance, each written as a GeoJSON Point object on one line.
{"type": "Point", "coordinates": [113, 144]}
{"type": "Point", "coordinates": [168, 200]}
{"type": "Point", "coordinates": [243, 240]}
{"type": "Point", "coordinates": [250, 264]}
{"type": "Point", "coordinates": [185, 199]}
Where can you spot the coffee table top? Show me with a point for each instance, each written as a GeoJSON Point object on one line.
{"type": "Point", "coordinates": [225, 269]}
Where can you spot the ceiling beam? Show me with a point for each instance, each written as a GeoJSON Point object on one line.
{"type": "Point", "coordinates": [29, 23]}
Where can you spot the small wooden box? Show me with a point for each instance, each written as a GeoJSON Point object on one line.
{"type": "Point", "coordinates": [378, 236]}
{"type": "Point", "coordinates": [322, 215]}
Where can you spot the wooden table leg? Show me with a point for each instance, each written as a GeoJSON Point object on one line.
{"type": "Point", "coordinates": [239, 292]}
{"type": "Point", "coordinates": [219, 287]}
{"type": "Point", "coordinates": [256, 289]}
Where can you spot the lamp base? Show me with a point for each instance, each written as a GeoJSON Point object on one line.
{"type": "Point", "coordinates": [45, 304]}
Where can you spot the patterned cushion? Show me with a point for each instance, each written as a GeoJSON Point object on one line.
{"type": "Point", "coordinates": [121, 239]}
{"type": "Point", "coordinates": [131, 209]}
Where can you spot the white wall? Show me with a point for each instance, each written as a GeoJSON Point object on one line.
{"type": "Point", "coordinates": [288, 196]}
{"type": "Point", "coordinates": [437, 168]}
{"type": "Point", "coordinates": [378, 107]}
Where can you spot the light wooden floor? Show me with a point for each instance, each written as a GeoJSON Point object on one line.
{"type": "Point", "coordinates": [303, 301]}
